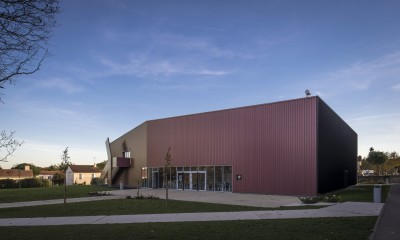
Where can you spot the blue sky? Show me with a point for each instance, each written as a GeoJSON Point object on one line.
{"type": "Point", "coordinates": [116, 64]}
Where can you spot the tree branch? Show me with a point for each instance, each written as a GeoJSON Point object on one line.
{"type": "Point", "coordinates": [25, 28]}
{"type": "Point", "coordinates": [8, 144]}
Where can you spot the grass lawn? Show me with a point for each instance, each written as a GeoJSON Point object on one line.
{"type": "Point", "coordinates": [47, 193]}
{"type": "Point", "coordinates": [310, 229]}
{"type": "Point", "coordinates": [125, 207]}
{"type": "Point", "coordinates": [361, 193]}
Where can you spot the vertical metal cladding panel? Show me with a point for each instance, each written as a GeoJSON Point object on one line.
{"type": "Point", "coordinates": [273, 146]}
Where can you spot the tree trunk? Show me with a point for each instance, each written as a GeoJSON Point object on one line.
{"type": "Point", "coordinates": [166, 188]}
{"type": "Point", "coordinates": [65, 188]}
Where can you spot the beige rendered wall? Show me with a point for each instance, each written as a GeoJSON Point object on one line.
{"type": "Point", "coordinates": [86, 178]}
{"type": "Point", "coordinates": [134, 141]}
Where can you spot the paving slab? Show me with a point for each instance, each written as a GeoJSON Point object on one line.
{"type": "Point", "coordinates": [243, 199]}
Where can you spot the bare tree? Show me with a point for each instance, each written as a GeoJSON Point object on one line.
{"type": "Point", "coordinates": [65, 161]}
{"type": "Point", "coordinates": [8, 144]}
{"type": "Point", "coordinates": [168, 161]}
{"type": "Point", "coordinates": [25, 29]}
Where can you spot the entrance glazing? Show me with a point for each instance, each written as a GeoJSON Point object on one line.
{"type": "Point", "coordinates": [197, 178]}
{"type": "Point", "coordinates": [192, 180]}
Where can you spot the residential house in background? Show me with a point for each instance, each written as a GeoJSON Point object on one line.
{"type": "Point", "coordinates": [16, 174]}
{"type": "Point", "coordinates": [82, 174]}
{"type": "Point", "coordinates": [47, 174]}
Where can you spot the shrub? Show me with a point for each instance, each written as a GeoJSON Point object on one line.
{"type": "Point", "coordinates": [31, 183]}
{"type": "Point", "coordinates": [25, 183]}
{"type": "Point", "coordinates": [96, 181]}
{"type": "Point", "coordinates": [58, 179]}
{"type": "Point", "coordinates": [315, 199]}
{"type": "Point", "coordinates": [332, 198]}
{"type": "Point", "coordinates": [99, 193]}
{"type": "Point", "coordinates": [142, 197]}
{"type": "Point", "coordinates": [8, 183]}
{"type": "Point", "coordinates": [309, 200]}
{"type": "Point", "coordinates": [46, 182]}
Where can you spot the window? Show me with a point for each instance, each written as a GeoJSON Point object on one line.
{"type": "Point", "coordinates": [80, 176]}
{"type": "Point", "coordinates": [126, 154]}
{"type": "Point", "coordinates": [93, 175]}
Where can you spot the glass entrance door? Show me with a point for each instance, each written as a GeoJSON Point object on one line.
{"type": "Point", "coordinates": [192, 180]}
{"type": "Point", "coordinates": [199, 181]}
{"type": "Point", "coordinates": [155, 180]}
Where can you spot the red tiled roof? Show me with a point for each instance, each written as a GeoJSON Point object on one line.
{"type": "Point", "coordinates": [84, 169]}
{"type": "Point", "coordinates": [15, 173]}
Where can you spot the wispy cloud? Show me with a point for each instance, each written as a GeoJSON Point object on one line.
{"type": "Point", "coordinates": [177, 43]}
{"type": "Point", "coordinates": [362, 74]}
{"type": "Point", "coordinates": [209, 48]}
{"type": "Point", "coordinates": [142, 67]}
{"type": "Point", "coordinates": [64, 84]}
{"type": "Point", "coordinates": [376, 117]}
{"type": "Point", "coordinates": [359, 76]}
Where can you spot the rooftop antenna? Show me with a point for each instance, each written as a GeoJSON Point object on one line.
{"type": "Point", "coordinates": [308, 93]}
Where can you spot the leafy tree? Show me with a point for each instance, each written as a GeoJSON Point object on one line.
{"type": "Point", "coordinates": [365, 165]}
{"type": "Point", "coordinates": [168, 161]}
{"type": "Point", "coordinates": [393, 155]}
{"type": "Point", "coordinates": [8, 144]}
{"type": "Point", "coordinates": [53, 167]}
{"type": "Point", "coordinates": [58, 179]}
{"type": "Point", "coordinates": [389, 167]}
{"type": "Point", "coordinates": [25, 29]}
{"type": "Point", "coordinates": [101, 165]}
{"type": "Point", "coordinates": [36, 170]}
{"type": "Point", "coordinates": [392, 163]}
{"type": "Point", "coordinates": [377, 158]}
{"type": "Point", "coordinates": [64, 166]}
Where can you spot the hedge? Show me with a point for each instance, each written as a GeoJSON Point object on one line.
{"type": "Point", "coordinates": [25, 183]}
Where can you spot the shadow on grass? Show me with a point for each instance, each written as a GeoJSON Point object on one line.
{"type": "Point", "coordinates": [310, 229]}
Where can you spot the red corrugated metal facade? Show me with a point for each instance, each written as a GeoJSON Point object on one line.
{"type": "Point", "coordinates": [272, 146]}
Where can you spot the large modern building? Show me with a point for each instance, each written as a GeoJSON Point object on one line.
{"type": "Point", "coordinates": [294, 147]}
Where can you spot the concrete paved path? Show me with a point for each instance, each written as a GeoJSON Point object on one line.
{"type": "Point", "coordinates": [388, 226]}
{"type": "Point", "coordinates": [347, 209]}
{"type": "Point", "coordinates": [243, 199]}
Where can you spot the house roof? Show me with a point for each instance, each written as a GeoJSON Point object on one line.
{"type": "Point", "coordinates": [84, 169]}
{"type": "Point", "coordinates": [15, 173]}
